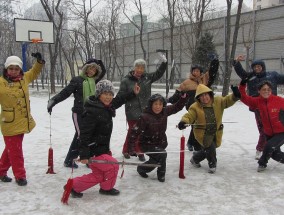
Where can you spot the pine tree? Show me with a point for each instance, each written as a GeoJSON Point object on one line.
{"type": "Point", "coordinates": [205, 51]}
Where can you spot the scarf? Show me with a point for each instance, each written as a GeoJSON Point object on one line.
{"type": "Point", "coordinates": [14, 78]}
{"type": "Point", "coordinates": [89, 87]}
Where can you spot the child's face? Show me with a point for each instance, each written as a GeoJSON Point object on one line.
{"type": "Point", "coordinates": [157, 106]}
{"type": "Point", "coordinates": [257, 68]}
{"type": "Point", "coordinates": [205, 98]}
{"type": "Point", "coordinates": [265, 91]}
{"type": "Point", "coordinates": [106, 98]}
{"type": "Point", "coordinates": [13, 70]}
{"type": "Point", "coordinates": [196, 73]}
{"type": "Point", "coordinates": [91, 72]}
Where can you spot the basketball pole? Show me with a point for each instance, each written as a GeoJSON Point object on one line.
{"type": "Point", "coordinates": [24, 58]}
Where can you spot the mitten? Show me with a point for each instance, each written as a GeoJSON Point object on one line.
{"type": "Point", "coordinates": [175, 97]}
{"type": "Point", "coordinates": [162, 57]}
{"type": "Point", "coordinates": [181, 125]}
{"type": "Point", "coordinates": [236, 91]}
{"type": "Point", "coordinates": [244, 81]}
{"type": "Point", "coordinates": [38, 56]}
{"type": "Point", "coordinates": [50, 105]}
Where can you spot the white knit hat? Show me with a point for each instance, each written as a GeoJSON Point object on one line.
{"type": "Point", "coordinates": [13, 60]}
{"type": "Point", "coordinates": [104, 86]}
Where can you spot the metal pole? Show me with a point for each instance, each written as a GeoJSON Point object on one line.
{"type": "Point", "coordinates": [24, 50]}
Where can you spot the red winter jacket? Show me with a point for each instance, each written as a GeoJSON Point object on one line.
{"type": "Point", "coordinates": [268, 108]}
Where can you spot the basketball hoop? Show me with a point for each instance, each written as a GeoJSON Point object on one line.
{"type": "Point", "coordinates": [36, 40]}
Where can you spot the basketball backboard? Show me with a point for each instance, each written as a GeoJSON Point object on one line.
{"type": "Point", "coordinates": [28, 30]}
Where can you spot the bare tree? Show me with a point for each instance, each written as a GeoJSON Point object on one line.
{"type": "Point", "coordinates": [230, 53]}
{"type": "Point", "coordinates": [192, 13]}
{"type": "Point", "coordinates": [248, 36]}
{"type": "Point", "coordinates": [54, 14]}
{"type": "Point", "coordinates": [139, 25]}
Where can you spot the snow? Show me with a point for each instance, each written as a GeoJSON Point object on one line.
{"type": "Point", "coordinates": [235, 188]}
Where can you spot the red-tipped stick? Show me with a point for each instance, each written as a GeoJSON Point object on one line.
{"type": "Point", "coordinates": [67, 190]}
{"type": "Point", "coordinates": [181, 162]}
{"type": "Point", "coordinates": [50, 162]}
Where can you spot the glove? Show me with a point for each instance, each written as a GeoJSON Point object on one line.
{"type": "Point", "coordinates": [50, 105]}
{"type": "Point", "coordinates": [38, 56]}
{"type": "Point", "coordinates": [281, 116]}
{"type": "Point", "coordinates": [163, 57]}
{"type": "Point", "coordinates": [244, 81]}
{"type": "Point", "coordinates": [236, 91]}
{"type": "Point", "coordinates": [181, 125]}
{"type": "Point", "coordinates": [212, 56]}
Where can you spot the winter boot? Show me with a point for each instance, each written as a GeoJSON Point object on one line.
{"type": "Point", "coordinates": [71, 164]}
{"type": "Point", "coordinates": [261, 168]}
{"type": "Point", "coordinates": [212, 170]}
{"type": "Point", "coordinates": [5, 178]}
{"type": "Point", "coordinates": [196, 165]}
{"type": "Point", "coordinates": [141, 157]}
{"type": "Point", "coordinates": [111, 192]}
{"type": "Point", "coordinates": [142, 173]}
{"type": "Point", "coordinates": [21, 182]}
{"type": "Point", "coordinates": [74, 194]}
{"type": "Point", "coordinates": [161, 176]}
{"type": "Point", "coordinates": [126, 155]}
{"type": "Point", "coordinates": [258, 155]}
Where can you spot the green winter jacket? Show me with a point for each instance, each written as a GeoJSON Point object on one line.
{"type": "Point", "coordinates": [135, 106]}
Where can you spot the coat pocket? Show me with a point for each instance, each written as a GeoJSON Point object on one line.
{"type": "Point", "coordinates": [8, 115]}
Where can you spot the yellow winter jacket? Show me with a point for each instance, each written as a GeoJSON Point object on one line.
{"type": "Point", "coordinates": [196, 115]}
{"type": "Point", "coordinates": [15, 102]}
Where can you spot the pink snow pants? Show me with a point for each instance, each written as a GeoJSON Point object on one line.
{"type": "Point", "coordinates": [105, 174]}
{"type": "Point", "coordinates": [13, 156]}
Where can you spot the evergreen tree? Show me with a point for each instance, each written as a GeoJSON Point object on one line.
{"type": "Point", "coordinates": [205, 51]}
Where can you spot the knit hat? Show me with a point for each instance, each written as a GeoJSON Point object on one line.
{"type": "Point", "coordinates": [104, 86]}
{"type": "Point", "coordinates": [13, 60]}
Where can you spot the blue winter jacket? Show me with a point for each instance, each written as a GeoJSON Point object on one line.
{"type": "Point", "coordinates": [256, 78]}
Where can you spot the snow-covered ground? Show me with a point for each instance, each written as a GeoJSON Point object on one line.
{"type": "Point", "coordinates": [235, 188]}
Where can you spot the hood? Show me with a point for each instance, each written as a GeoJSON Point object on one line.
{"type": "Point", "coordinates": [259, 62]}
{"type": "Point", "coordinates": [90, 63]}
{"type": "Point", "coordinates": [201, 88]}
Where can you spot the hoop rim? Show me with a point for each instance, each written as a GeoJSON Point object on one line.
{"type": "Point", "coordinates": [36, 40]}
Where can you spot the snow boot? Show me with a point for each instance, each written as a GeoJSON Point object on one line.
{"type": "Point", "coordinates": [71, 164]}
{"type": "Point", "coordinates": [142, 173]}
{"type": "Point", "coordinates": [196, 165]}
{"type": "Point", "coordinates": [161, 176]}
{"type": "Point", "coordinates": [261, 168]}
{"type": "Point", "coordinates": [258, 155]}
{"type": "Point", "coordinates": [212, 170]}
{"type": "Point", "coordinates": [111, 192]}
{"type": "Point", "coordinates": [74, 194]}
{"type": "Point", "coordinates": [141, 157]}
{"type": "Point", "coordinates": [21, 182]}
{"type": "Point", "coordinates": [126, 155]}
{"type": "Point", "coordinates": [5, 178]}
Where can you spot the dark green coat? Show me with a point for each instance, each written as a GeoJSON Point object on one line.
{"type": "Point", "coordinates": [135, 106]}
